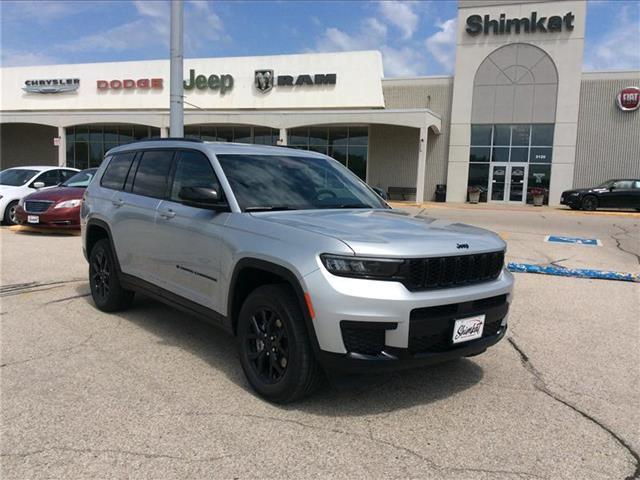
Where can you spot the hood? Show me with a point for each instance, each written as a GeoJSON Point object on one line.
{"type": "Point", "coordinates": [8, 188]}
{"type": "Point", "coordinates": [57, 194]}
{"type": "Point", "coordinates": [389, 233]}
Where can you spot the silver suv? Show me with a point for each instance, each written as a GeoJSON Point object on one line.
{"type": "Point", "coordinates": [295, 256]}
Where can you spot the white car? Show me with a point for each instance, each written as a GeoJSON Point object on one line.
{"type": "Point", "coordinates": [18, 182]}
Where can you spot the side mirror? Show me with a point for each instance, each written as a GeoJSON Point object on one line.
{"type": "Point", "coordinates": [380, 193]}
{"type": "Point", "coordinates": [202, 197]}
{"type": "Point", "coordinates": [38, 184]}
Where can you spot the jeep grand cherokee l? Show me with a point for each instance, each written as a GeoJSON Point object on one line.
{"type": "Point", "coordinates": [295, 256]}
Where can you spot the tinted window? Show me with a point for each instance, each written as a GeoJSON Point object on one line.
{"type": "Point", "coordinates": [542, 134]}
{"type": "Point", "coordinates": [152, 176]}
{"type": "Point", "coordinates": [50, 178]}
{"type": "Point", "coordinates": [193, 170]}
{"type": "Point", "coordinates": [636, 184]}
{"type": "Point", "coordinates": [117, 171]}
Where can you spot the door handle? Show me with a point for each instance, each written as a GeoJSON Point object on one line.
{"type": "Point", "coordinates": [168, 214]}
{"type": "Point", "coordinates": [117, 202]}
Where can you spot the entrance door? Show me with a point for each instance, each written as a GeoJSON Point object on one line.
{"type": "Point", "coordinates": [508, 183]}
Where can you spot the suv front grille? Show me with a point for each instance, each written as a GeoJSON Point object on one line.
{"type": "Point", "coordinates": [37, 206]}
{"type": "Point", "coordinates": [443, 272]}
{"type": "Point", "coordinates": [431, 328]}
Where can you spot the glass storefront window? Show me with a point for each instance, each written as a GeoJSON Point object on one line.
{"type": "Point", "coordinates": [500, 154]}
{"type": "Point", "coordinates": [479, 177]}
{"type": "Point", "coordinates": [502, 135]}
{"type": "Point", "coordinates": [242, 135]}
{"type": "Point", "coordinates": [542, 135]}
{"type": "Point", "coordinates": [540, 155]}
{"type": "Point", "coordinates": [480, 154]}
{"type": "Point", "coordinates": [519, 154]}
{"type": "Point", "coordinates": [481, 135]}
{"type": "Point", "coordinates": [520, 135]}
{"type": "Point", "coordinates": [348, 145]}
{"type": "Point", "coordinates": [87, 144]}
{"type": "Point", "coordinates": [539, 177]}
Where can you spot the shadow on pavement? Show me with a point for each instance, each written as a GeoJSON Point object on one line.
{"type": "Point", "coordinates": [356, 395]}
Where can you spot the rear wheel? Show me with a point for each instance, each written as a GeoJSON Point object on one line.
{"type": "Point", "coordinates": [589, 203]}
{"type": "Point", "coordinates": [107, 293]}
{"type": "Point", "coordinates": [275, 349]}
{"type": "Point", "coordinates": [10, 217]}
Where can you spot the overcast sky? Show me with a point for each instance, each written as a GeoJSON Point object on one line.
{"type": "Point", "coordinates": [415, 38]}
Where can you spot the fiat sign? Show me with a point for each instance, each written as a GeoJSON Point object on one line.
{"type": "Point", "coordinates": [628, 99]}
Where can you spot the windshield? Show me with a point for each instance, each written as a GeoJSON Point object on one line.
{"type": "Point", "coordinates": [16, 176]}
{"type": "Point", "coordinates": [277, 182]}
{"type": "Point", "coordinates": [81, 179]}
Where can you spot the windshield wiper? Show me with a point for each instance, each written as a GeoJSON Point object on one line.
{"type": "Point", "coordinates": [269, 208]}
{"type": "Point", "coordinates": [351, 205]}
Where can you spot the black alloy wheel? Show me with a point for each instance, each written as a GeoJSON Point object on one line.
{"type": "Point", "coordinates": [107, 293]}
{"type": "Point", "coordinates": [100, 274]}
{"type": "Point", "coordinates": [589, 203]}
{"type": "Point", "coordinates": [267, 345]}
{"type": "Point", "coordinates": [274, 345]}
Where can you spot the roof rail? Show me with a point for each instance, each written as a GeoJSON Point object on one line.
{"type": "Point", "coordinates": [165, 139]}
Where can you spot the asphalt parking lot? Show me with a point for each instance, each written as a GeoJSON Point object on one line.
{"type": "Point", "coordinates": [153, 393]}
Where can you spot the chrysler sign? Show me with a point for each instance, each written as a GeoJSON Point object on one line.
{"type": "Point", "coordinates": [52, 85]}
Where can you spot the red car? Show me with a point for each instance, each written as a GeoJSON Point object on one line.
{"type": "Point", "coordinates": [57, 207]}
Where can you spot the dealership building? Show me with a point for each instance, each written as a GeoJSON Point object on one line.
{"type": "Point", "coordinates": [518, 113]}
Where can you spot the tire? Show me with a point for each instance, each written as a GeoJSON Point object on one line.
{"type": "Point", "coordinates": [274, 345]}
{"type": "Point", "coordinates": [589, 203]}
{"type": "Point", "coordinates": [10, 214]}
{"type": "Point", "coordinates": [106, 291]}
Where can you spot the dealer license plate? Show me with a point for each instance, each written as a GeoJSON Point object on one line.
{"type": "Point", "coordinates": [33, 219]}
{"type": "Point", "coordinates": [466, 329]}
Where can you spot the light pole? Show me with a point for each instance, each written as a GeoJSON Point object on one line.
{"type": "Point", "coordinates": [176, 105]}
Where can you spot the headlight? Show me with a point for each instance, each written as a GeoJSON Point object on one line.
{"type": "Point", "coordinates": [359, 267]}
{"type": "Point", "coordinates": [69, 204]}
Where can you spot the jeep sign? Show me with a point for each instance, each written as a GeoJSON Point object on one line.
{"type": "Point", "coordinates": [628, 99]}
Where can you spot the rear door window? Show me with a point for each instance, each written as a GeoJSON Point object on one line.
{"type": "Point", "coordinates": [152, 176]}
{"type": "Point", "coordinates": [117, 171]}
{"type": "Point", "coordinates": [66, 174]}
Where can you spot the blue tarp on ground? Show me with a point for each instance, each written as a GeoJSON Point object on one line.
{"type": "Point", "coordinates": [573, 272]}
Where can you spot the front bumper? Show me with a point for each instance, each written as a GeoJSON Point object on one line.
{"type": "Point", "coordinates": [403, 318]}
{"type": "Point", "coordinates": [570, 200]}
{"type": "Point", "coordinates": [59, 218]}
{"type": "Point", "coordinates": [393, 359]}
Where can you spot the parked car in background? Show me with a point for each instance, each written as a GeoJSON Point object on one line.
{"type": "Point", "coordinates": [16, 183]}
{"type": "Point", "coordinates": [57, 207]}
{"type": "Point", "coordinates": [610, 194]}
{"type": "Point", "coordinates": [295, 255]}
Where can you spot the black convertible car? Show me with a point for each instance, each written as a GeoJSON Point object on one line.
{"type": "Point", "coordinates": [610, 194]}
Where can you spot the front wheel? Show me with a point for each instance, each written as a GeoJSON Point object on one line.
{"type": "Point", "coordinates": [107, 293]}
{"type": "Point", "coordinates": [10, 217]}
{"type": "Point", "coordinates": [275, 349]}
{"type": "Point", "coordinates": [589, 203]}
